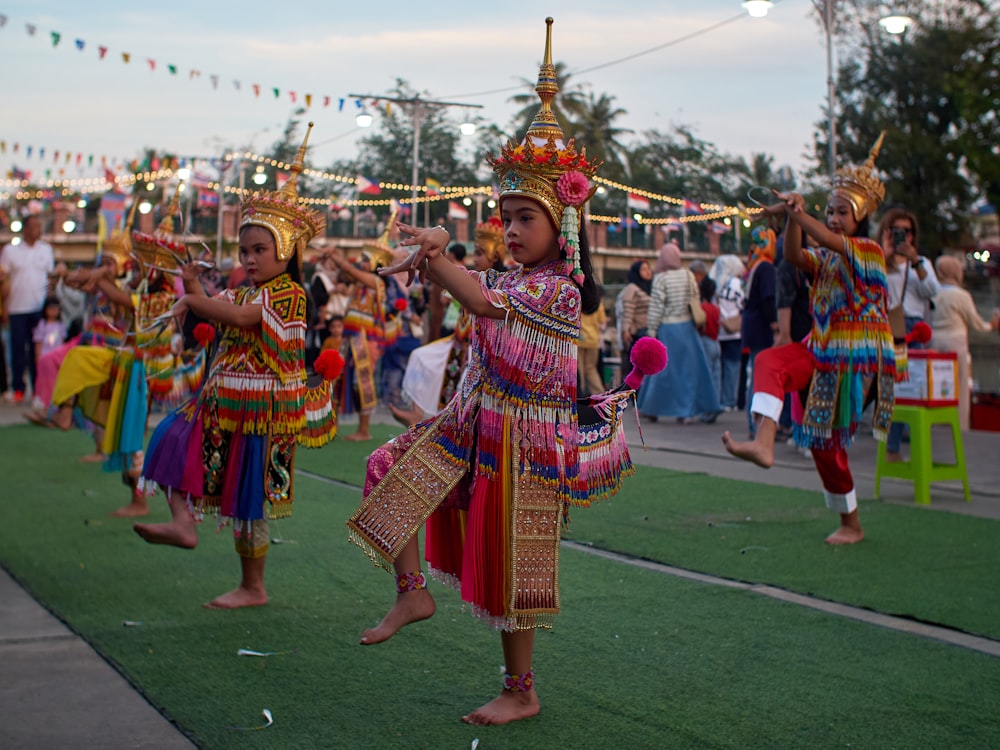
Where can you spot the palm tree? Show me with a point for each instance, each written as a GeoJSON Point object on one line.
{"type": "Point", "coordinates": [595, 130]}
{"type": "Point", "coordinates": [567, 105]}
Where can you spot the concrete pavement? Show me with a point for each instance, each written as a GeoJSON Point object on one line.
{"type": "Point", "coordinates": [57, 692]}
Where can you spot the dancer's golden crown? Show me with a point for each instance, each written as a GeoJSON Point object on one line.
{"type": "Point", "coordinates": [292, 224]}
{"type": "Point", "coordinates": [546, 167]}
{"type": "Point", "coordinates": [860, 186]}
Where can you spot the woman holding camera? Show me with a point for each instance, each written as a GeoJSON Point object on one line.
{"type": "Point", "coordinates": [912, 285]}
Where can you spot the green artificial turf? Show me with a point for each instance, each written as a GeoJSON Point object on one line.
{"type": "Point", "coordinates": [637, 659]}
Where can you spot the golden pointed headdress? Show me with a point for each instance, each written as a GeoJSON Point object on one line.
{"type": "Point", "coordinates": [489, 235]}
{"type": "Point", "coordinates": [163, 247]}
{"type": "Point", "coordinates": [859, 185]}
{"type": "Point", "coordinates": [292, 224]}
{"type": "Point", "coordinates": [547, 168]}
{"type": "Point", "coordinates": [379, 252]}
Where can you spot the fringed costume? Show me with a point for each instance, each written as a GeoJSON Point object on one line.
{"type": "Point", "coordinates": [848, 358]}
{"type": "Point", "coordinates": [503, 452]}
{"type": "Point", "coordinates": [229, 451]}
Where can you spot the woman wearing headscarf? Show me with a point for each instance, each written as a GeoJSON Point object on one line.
{"type": "Point", "coordinates": [686, 391]}
{"type": "Point", "coordinates": [727, 273]}
{"type": "Point", "coordinates": [632, 307]}
{"type": "Point", "coordinates": [954, 314]}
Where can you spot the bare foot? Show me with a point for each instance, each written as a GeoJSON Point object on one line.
{"type": "Point", "coordinates": [407, 418]}
{"type": "Point", "coordinates": [410, 606]}
{"type": "Point", "coordinates": [750, 451]}
{"type": "Point", "coordinates": [357, 437]}
{"type": "Point", "coordinates": [506, 707]}
{"type": "Point", "coordinates": [92, 458]}
{"type": "Point", "coordinates": [173, 534]}
{"type": "Point", "coordinates": [846, 535]}
{"type": "Point", "coordinates": [237, 598]}
{"type": "Point", "coordinates": [893, 457]}
{"type": "Point", "coordinates": [36, 417]}
{"type": "Point", "coordinates": [134, 509]}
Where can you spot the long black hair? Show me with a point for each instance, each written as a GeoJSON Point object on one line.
{"type": "Point", "coordinates": [590, 292]}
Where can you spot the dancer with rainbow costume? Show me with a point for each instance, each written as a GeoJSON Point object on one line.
{"type": "Point", "coordinates": [848, 359]}
{"type": "Point", "coordinates": [230, 450]}
{"type": "Point", "coordinates": [493, 473]}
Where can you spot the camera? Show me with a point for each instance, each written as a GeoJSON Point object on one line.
{"type": "Point", "coordinates": [898, 236]}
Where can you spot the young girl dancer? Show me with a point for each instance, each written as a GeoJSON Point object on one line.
{"type": "Point", "coordinates": [493, 471]}
{"type": "Point", "coordinates": [848, 357]}
{"type": "Point", "coordinates": [230, 450]}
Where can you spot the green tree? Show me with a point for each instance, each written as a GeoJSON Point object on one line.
{"type": "Point", "coordinates": [935, 92]}
{"type": "Point", "coordinates": [595, 130]}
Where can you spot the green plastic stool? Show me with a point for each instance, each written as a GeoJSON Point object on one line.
{"type": "Point", "coordinates": [921, 469]}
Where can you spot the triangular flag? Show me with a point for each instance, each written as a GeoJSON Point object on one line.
{"type": "Point", "coordinates": [152, 63]}
{"type": "Point", "coordinates": [172, 69]}
{"type": "Point", "coordinates": [256, 89]}
{"type": "Point", "coordinates": [31, 28]}
{"type": "Point", "coordinates": [126, 57]}
{"type": "Point", "coordinates": [3, 21]}
{"type": "Point", "coordinates": [101, 52]}
{"type": "Point", "coordinates": [293, 95]}
{"type": "Point", "coordinates": [80, 44]}
{"type": "Point", "coordinates": [215, 81]}
{"type": "Point", "coordinates": [56, 36]}
{"type": "Point", "coordinates": [309, 100]}
{"type": "Point", "coordinates": [277, 92]}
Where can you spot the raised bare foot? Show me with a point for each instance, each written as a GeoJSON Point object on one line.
{"type": "Point", "coordinates": [237, 598]}
{"type": "Point", "coordinates": [506, 707]}
{"type": "Point", "coordinates": [846, 535]}
{"type": "Point", "coordinates": [357, 437]}
{"type": "Point", "coordinates": [750, 450]}
{"type": "Point", "coordinates": [92, 458]}
{"type": "Point", "coordinates": [410, 606]}
{"type": "Point", "coordinates": [407, 418]}
{"type": "Point", "coordinates": [173, 534]}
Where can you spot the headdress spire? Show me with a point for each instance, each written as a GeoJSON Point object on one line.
{"type": "Point", "coordinates": [859, 185]}
{"type": "Point", "coordinates": [282, 213]}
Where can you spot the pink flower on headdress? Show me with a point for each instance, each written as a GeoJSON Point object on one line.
{"type": "Point", "coordinates": [573, 188]}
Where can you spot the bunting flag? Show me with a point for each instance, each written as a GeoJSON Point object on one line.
{"type": "Point", "coordinates": [638, 202]}
{"type": "Point", "coordinates": [368, 187]}
{"type": "Point", "coordinates": [101, 52]}
{"type": "Point", "coordinates": [457, 211]}
{"type": "Point", "coordinates": [80, 44]}
{"type": "Point", "coordinates": [690, 207]}
{"type": "Point", "coordinates": [56, 36]}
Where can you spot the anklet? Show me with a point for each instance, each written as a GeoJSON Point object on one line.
{"type": "Point", "coordinates": [519, 683]}
{"type": "Point", "coordinates": [410, 582]}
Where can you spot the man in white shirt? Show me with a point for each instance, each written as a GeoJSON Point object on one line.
{"type": "Point", "coordinates": [27, 262]}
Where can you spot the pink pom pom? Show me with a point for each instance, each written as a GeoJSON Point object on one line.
{"type": "Point", "coordinates": [648, 357]}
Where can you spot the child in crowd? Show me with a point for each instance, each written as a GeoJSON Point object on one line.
{"type": "Point", "coordinates": [50, 333]}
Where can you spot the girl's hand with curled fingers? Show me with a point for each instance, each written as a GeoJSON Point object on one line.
{"type": "Point", "coordinates": [429, 243]}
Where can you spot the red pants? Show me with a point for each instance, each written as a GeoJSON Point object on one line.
{"type": "Point", "coordinates": [788, 369]}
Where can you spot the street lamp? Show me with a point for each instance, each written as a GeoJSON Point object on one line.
{"type": "Point", "coordinates": [417, 109]}
{"type": "Point", "coordinates": [893, 24]}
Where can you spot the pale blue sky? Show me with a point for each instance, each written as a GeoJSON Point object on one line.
{"type": "Point", "coordinates": [747, 86]}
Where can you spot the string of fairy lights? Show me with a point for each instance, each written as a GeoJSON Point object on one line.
{"type": "Point", "coordinates": [22, 190]}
